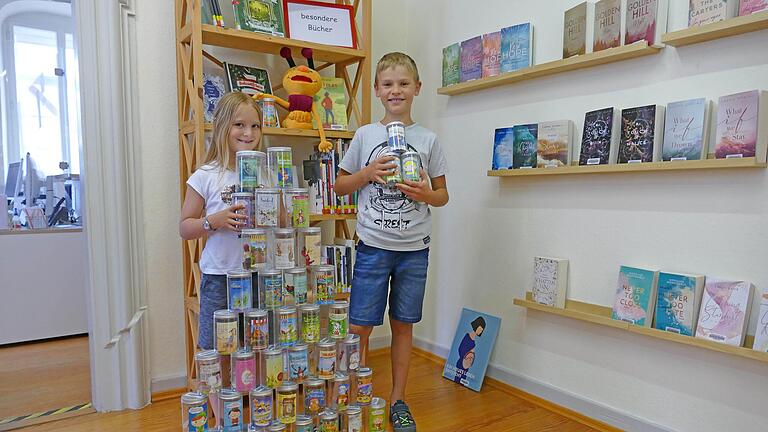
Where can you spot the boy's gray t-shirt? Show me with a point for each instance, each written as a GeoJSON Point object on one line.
{"type": "Point", "coordinates": [386, 218]}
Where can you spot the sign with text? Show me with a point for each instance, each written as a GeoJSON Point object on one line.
{"type": "Point", "coordinates": [325, 23]}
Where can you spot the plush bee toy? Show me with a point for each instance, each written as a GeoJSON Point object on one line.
{"type": "Point", "coordinates": [301, 83]}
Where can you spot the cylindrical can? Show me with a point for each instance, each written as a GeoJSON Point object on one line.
{"type": "Point", "coordinates": [364, 386]}
{"type": "Point", "coordinates": [411, 163]}
{"type": "Point", "coordinates": [314, 396]}
{"type": "Point", "coordinates": [329, 421]}
{"type": "Point", "coordinates": [351, 347]}
{"type": "Point", "coordinates": [288, 321]}
{"type": "Point", "coordinates": [254, 248]}
{"type": "Point", "coordinates": [310, 323]}
{"type": "Point", "coordinates": [378, 415]}
{"type": "Point", "coordinates": [256, 329]}
{"type": "Point", "coordinates": [267, 208]}
{"type": "Point", "coordinates": [270, 288]}
{"type": "Point", "coordinates": [261, 403]}
{"type": "Point", "coordinates": [225, 324]}
{"type": "Point", "coordinates": [232, 411]}
{"type": "Point", "coordinates": [298, 362]}
{"type": "Point", "coordinates": [304, 423]}
{"type": "Point", "coordinates": [250, 166]}
{"type": "Point", "coordinates": [338, 320]}
{"type": "Point", "coordinates": [353, 418]}
{"type": "Point", "coordinates": [396, 136]}
{"type": "Point", "coordinates": [285, 248]}
{"type": "Point", "coordinates": [244, 370]}
{"type": "Point", "coordinates": [296, 202]}
{"type": "Point", "coordinates": [340, 398]}
{"type": "Point", "coordinates": [246, 213]}
{"type": "Point", "coordinates": [273, 359]}
{"type": "Point", "coordinates": [397, 173]}
{"type": "Point", "coordinates": [269, 113]}
{"type": "Point", "coordinates": [194, 412]}
{"type": "Point", "coordinates": [295, 288]}
{"type": "Point", "coordinates": [276, 426]}
{"type": "Point", "coordinates": [280, 163]}
{"type": "Point", "coordinates": [239, 290]}
{"type": "Point", "coordinates": [323, 283]}
{"type": "Point", "coordinates": [309, 244]}
{"type": "Point", "coordinates": [208, 371]}
{"type": "Point", "coordinates": [326, 365]}
{"type": "Point", "coordinates": [287, 395]}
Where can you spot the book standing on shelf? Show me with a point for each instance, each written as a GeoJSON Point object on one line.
{"type": "Point", "coordinates": [451, 64]}
{"type": "Point", "coordinates": [678, 302]}
{"type": "Point", "coordinates": [491, 54]}
{"type": "Point", "coordinates": [576, 36]}
{"type": "Point", "coordinates": [748, 7]}
{"type": "Point", "coordinates": [646, 20]}
{"type": "Point", "coordinates": [253, 15]}
{"type": "Point", "coordinates": [550, 281]}
{"type": "Point", "coordinates": [516, 47]}
{"type": "Point", "coordinates": [503, 148]}
{"type": "Point", "coordinates": [247, 79]}
{"type": "Point", "coordinates": [471, 59]}
{"type": "Point", "coordinates": [332, 103]}
{"type": "Point", "coordinates": [724, 313]}
{"type": "Point", "coordinates": [607, 25]}
{"type": "Point", "coordinates": [320, 173]}
{"type": "Point", "coordinates": [685, 130]}
{"type": "Point", "coordinates": [761, 332]}
{"type": "Point", "coordinates": [641, 129]}
{"type": "Point", "coordinates": [213, 89]}
{"type": "Point", "coordinates": [635, 296]}
{"type": "Point", "coordinates": [597, 137]}
{"type": "Point", "coordinates": [524, 146]}
{"type": "Point", "coordinates": [742, 125]}
{"type": "Point", "coordinates": [553, 148]}
{"type": "Point", "coordinates": [703, 12]}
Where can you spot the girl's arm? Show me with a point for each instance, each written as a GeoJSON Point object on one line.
{"type": "Point", "coordinates": [191, 224]}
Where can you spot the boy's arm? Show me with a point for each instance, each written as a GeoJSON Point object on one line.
{"type": "Point", "coordinates": [436, 196]}
{"type": "Point", "coordinates": [346, 183]}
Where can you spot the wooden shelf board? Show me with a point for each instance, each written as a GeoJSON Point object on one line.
{"type": "Point", "coordinates": [634, 167]}
{"type": "Point", "coordinates": [298, 133]}
{"type": "Point", "coordinates": [264, 43]}
{"type": "Point", "coordinates": [602, 316]}
{"type": "Point", "coordinates": [730, 27]}
{"type": "Point", "coordinates": [610, 55]}
{"type": "Point", "coordinates": [327, 217]}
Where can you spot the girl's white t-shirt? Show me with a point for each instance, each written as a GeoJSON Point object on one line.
{"type": "Point", "coordinates": [222, 249]}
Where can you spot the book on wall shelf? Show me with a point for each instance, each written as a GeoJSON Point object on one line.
{"type": "Point", "coordinates": [516, 47]}
{"type": "Point", "coordinates": [686, 127]}
{"type": "Point", "coordinates": [748, 7]}
{"type": "Point", "coordinates": [597, 137]}
{"type": "Point", "coordinates": [331, 101]}
{"type": "Point", "coordinates": [645, 20]}
{"type": "Point", "coordinates": [724, 313]}
{"type": "Point", "coordinates": [550, 281]}
{"type": "Point", "coordinates": [577, 30]}
{"type": "Point", "coordinates": [451, 64]}
{"type": "Point", "coordinates": [491, 54]}
{"type": "Point", "coordinates": [635, 297]}
{"type": "Point", "coordinates": [247, 79]}
{"type": "Point", "coordinates": [553, 148]}
{"type": "Point", "coordinates": [471, 59]}
{"type": "Point", "coordinates": [503, 148]}
{"type": "Point", "coordinates": [761, 332]}
{"type": "Point", "coordinates": [607, 25]}
{"type": "Point", "coordinates": [703, 12]}
{"type": "Point", "coordinates": [641, 130]}
{"type": "Point", "coordinates": [524, 146]}
{"type": "Point", "coordinates": [742, 125]}
{"type": "Point", "coordinates": [678, 302]}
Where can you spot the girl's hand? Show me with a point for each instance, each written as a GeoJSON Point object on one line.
{"type": "Point", "coordinates": [227, 219]}
{"type": "Point", "coordinates": [379, 168]}
{"type": "Point", "coordinates": [417, 191]}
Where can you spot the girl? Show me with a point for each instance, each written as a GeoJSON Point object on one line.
{"type": "Point", "coordinates": [207, 208]}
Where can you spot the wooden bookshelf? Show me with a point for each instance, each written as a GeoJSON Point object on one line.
{"type": "Point", "coordinates": [333, 217]}
{"type": "Point", "coordinates": [718, 30]}
{"type": "Point", "coordinates": [601, 315]}
{"type": "Point", "coordinates": [611, 55]}
{"type": "Point", "coordinates": [298, 133]}
{"type": "Point", "coordinates": [632, 167]}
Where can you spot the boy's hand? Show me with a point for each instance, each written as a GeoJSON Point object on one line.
{"type": "Point", "coordinates": [227, 219]}
{"type": "Point", "coordinates": [417, 191]}
{"type": "Point", "coordinates": [379, 168]}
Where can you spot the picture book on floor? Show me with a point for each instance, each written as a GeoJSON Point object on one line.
{"type": "Point", "coordinates": [524, 147]}
{"type": "Point", "coordinates": [724, 313]}
{"type": "Point", "coordinates": [471, 59]}
{"type": "Point", "coordinates": [503, 147]}
{"type": "Point", "coordinates": [703, 12]}
{"type": "Point", "coordinates": [742, 125]}
{"type": "Point", "coordinates": [550, 281]}
{"type": "Point", "coordinates": [575, 30]}
{"type": "Point", "coordinates": [471, 348]}
{"type": "Point", "coordinates": [554, 143]}
{"type": "Point", "coordinates": [635, 297]}
{"type": "Point", "coordinates": [678, 302]}
{"type": "Point", "coordinates": [607, 25]}
{"type": "Point", "coordinates": [451, 64]}
{"type": "Point", "coordinates": [491, 54]}
{"type": "Point", "coordinates": [597, 137]}
{"type": "Point", "coordinates": [516, 47]}
{"type": "Point", "coordinates": [685, 130]}
{"type": "Point", "coordinates": [645, 20]}
{"type": "Point", "coordinates": [641, 129]}
{"type": "Point", "coordinates": [761, 332]}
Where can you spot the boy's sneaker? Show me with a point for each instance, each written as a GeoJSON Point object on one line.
{"type": "Point", "coordinates": [402, 420]}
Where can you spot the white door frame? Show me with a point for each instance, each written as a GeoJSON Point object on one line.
{"type": "Point", "coordinates": [117, 294]}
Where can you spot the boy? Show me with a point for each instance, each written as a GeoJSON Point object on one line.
{"type": "Point", "coordinates": [393, 224]}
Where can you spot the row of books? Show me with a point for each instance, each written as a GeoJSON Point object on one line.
{"type": "Point", "coordinates": [341, 255]}
{"type": "Point", "coordinates": [320, 173]}
{"type": "Point", "coordinates": [687, 304]}
{"type": "Point", "coordinates": [262, 16]}
{"type": "Point", "coordinates": [644, 134]}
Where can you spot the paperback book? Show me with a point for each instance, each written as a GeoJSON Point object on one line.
{"type": "Point", "coordinates": [213, 89]}
{"type": "Point", "coordinates": [451, 64]}
{"type": "Point", "coordinates": [554, 143]}
{"type": "Point", "coordinates": [761, 332]}
{"type": "Point", "coordinates": [685, 130]}
{"type": "Point", "coordinates": [635, 296]}
{"type": "Point", "coordinates": [742, 125]}
{"type": "Point", "coordinates": [491, 54]}
{"type": "Point", "coordinates": [607, 25]}
{"type": "Point", "coordinates": [471, 59]}
{"type": "Point", "coordinates": [550, 281]}
{"type": "Point", "coordinates": [646, 20]}
{"type": "Point", "coordinates": [516, 47]}
{"type": "Point", "coordinates": [471, 349]}
{"type": "Point", "coordinates": [703, 12]}
{"type": "Point", "coordinates": [247, 79]}
{"type": "Point", "coordinates": [641, 129]}
{"type": "Point", "coordinates": [678, 302]}
{"type": "Point", "coordinates": [748, 7]}
{"type": "Point", "coordinates": [597, 137]}
{"type": "Point", "coordinates": [724, 313]}
{"type": "Point", "coordinates": [503, 143]}
{"type": "Point", "coordinates": [524, 146]}
{"type": "Point", "coordinates": [575, 31]}
{"type": "Point", "coordinates": [331, 101]}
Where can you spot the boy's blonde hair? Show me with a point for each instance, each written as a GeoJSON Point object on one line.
{"type": "Point", "coordinates": [218, 152]}
{"type": "Point", "coordinates": [396, 59]}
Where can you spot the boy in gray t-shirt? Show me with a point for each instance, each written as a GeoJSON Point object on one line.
{"type": "Point", "coordinates": [393, 224]}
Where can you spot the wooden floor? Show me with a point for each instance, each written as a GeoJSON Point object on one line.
{"type": "Point", "coordinates": [41, 376]}
{"type": "Point", "coordinates": [438, 405]}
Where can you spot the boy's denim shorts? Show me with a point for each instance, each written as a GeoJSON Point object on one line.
{"type": "Point", "coordinates": [383, 276]}
{"type": "Point", "coordinates": [213, 296]}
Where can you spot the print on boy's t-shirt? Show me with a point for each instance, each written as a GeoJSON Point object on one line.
{"type": "Point", "coordinates": [391, 208]}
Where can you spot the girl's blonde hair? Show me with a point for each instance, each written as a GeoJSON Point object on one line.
{"type": "Point", "coordinates": [393, 59]}
{"type": "Point", "coordinates": [218, 152]}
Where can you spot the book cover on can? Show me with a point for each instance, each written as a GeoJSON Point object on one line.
{"type": "Point", "coordinates": [635, 296]}
{"type": "Point", "coordinates": [607, 25]}
{"type": "Point", "coordinates": [685, 130]}
{"type": "Point", "coordinates": [748, 7]}
{"type": "Point", "coordinates": [678, 302]}
{"type": "Point", "coordinates": [761, 332]}
{"type": "Point", "coordinates": [331, 102]}
{"type": "Point", "coordinates": [471, 349]}
{"type": "Point", "coordinates": [553, 147]}
{"type": "Point", "coordinates": [639, 134]}
{"type": "Point", "coordinates": [645, 20]}
{"type": "Point", "coordinates": [724, 313]}
{"type": "Point", "coordinates": [550, 281]}
{"type": "Point", "coordinates": [503, 143]}
{"type": "Point", "coordinates": [524, 147]}
{"type": "Point", "coordinates": [575, 31]}
{"type": "Point", "coordinates": [471, 59]}
{"type": "Point", "coordinates": [703, 12]}
{"type": "Point", "coordinates": [451, 64]}
{"type": "Point", "coordinates": [738, 125]}
{"type": "Point", "coordinates": [596, 137]}
{"type": "Point", "coordinates": [491, 54]}
{"type": "Point", "coordinates": [516, 47]}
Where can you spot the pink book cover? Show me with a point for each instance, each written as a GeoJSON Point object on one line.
{"type": "Point", "coordinates": [737, 118]}
{"type": "Point", "coordinates": [724, 311]}
{"type": "Point", "coordinates": [491, 54]}
{"type": "Point", "coordinates": [747, 7]}
{"type": "Point", "coordinates": [641, 21]}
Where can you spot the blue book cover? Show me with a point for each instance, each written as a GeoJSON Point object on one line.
{"type": "Point", "coordinates": [471, 59]}
{"type": "Point", "coordinates": [677, 302]}
{"type": "Point", "coordinates": [635, 296]}
{"type": "Point", "coordinates": [503, 141]}
{"type": "Point", "coordinates": [516, 47]}
{"type": "Point", "coordinates": [685, 128]}
{"type": "Point", "coordinates": [525, 146]}
{"type": "Point", "coordinates": [471, 349]}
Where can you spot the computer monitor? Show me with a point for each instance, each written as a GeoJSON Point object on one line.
{"type": "Point", "coordinates": [13, 180]}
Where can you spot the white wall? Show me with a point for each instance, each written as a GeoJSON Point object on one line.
{"type": "Point", "coordinates": [484, 241]}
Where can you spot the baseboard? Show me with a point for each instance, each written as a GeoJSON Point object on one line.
{"type": "Point", "coordinates": [168, 386]}
{"type": "Point", "coordinates": [578, 408]}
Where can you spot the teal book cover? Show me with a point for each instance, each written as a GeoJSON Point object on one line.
{"type": "Point", "coordinates": [525, 145]}
{"type": "Point", "coordinates": [635, 296]}
{"type": "Point", "coordinates": [253, 15]}
{"type": "Point", "coordinates": [451, 64]}
{"type": "Point", "coordinates": [677, 302]}
{"type": "Point", "coordinates": [516, 47]}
